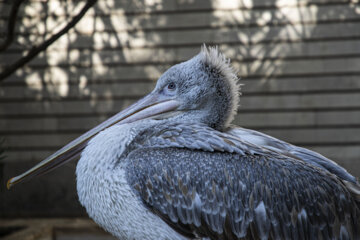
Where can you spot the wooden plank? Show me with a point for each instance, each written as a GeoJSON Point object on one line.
{"type": "Point", "coordinates": [219, 18]}
{"type": "Point", "coordinates": [346, 156]}
{"type": "Point", "coordinates": [297, 119]}
{"type": "Point", "coordinates": [258, 68]}
{"type": "Point", "coordinates": [205, 4]}
{"type": "Point", "coordinates": [87, 57]}
{"type": "Point", "coordinates": [34, 7]}
{"type": "Point", "coordinates": [283, 102]}
{"type": "Point", "coordinates": [50, 124]}
{"type": "Point", "coordinates": [39, 91]}
{"type": "Point", "coordinates": [340, 153]}
{"type": "Point", "coordinates": [112, 90]}
{"type": "Point", "coordinates": [300, 85]}
{"type": "Point", "coordinates": [294, 136]}
{"type": "Point", "coordinates": [28, 155]}
{"type": "Point", "coordinates": [241, 35]}
{"type": "Point", "coordinates": [301, 101]}
{"type": "Point", "coordinates": [267, 120]}
{"type": "Point", "coordinates": [69, 107]}
{"type": "Point", "coordinates": [317, 136]}
{"type": "Point", "coordinates": [297, 67]}
{"type": "Point", "coordinates": [42, 140]}
{"type": "Point", "coordinates": [60, 75]}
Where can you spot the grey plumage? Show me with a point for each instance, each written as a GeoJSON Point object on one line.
{"type": "Point", "coordinates": [227, 194]}
{"type": "Point", "coordinates": [285, 148]}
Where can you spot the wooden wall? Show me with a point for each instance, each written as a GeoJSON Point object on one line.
{"type": "Point", "coordinates": [299, 61]}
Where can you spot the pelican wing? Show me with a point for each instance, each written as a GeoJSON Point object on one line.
{"type": "Point", "coordinates": [311, 157]}
{"type": "Point", "coordinates": [241, 194]}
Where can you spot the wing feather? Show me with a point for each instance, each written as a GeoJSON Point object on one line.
{"type": "Point", "coordinates": [224, 195]}
{"type": "Point", "coordinates": [303, 154]}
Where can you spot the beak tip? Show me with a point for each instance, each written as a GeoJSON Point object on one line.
{"type": "Point", "coordinates": [9, 183]}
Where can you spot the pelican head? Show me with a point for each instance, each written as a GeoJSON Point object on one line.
{"type": "Point", "coordinates": [203, 89]}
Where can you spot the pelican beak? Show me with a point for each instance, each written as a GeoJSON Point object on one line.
{"type": "Point", "coordinates": [149, 106]}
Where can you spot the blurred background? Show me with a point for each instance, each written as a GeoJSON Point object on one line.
{"type": "Point", "coordinates": [299, 61]}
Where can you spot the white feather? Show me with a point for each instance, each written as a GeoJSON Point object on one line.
{"type": "Point", "coordinates": [106, 195]}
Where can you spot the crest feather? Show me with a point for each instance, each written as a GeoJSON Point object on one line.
{"type": "Point", "coordinates": [212, 57]}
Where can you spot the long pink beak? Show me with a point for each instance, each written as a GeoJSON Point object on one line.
{"type": "Point", "coordinates": [148, 106]}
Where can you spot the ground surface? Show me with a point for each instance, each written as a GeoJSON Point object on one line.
{"type": "Point", "coordinates": [51, 229]}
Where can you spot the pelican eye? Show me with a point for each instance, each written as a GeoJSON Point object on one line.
{"type": "Point", "coordinates": [171, 86]}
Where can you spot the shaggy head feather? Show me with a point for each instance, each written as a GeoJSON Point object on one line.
{"type": "Point", "coordinates": [212, 57]}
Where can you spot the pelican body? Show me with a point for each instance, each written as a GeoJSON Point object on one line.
{"type": "Point", "coordinates": [171, 166]}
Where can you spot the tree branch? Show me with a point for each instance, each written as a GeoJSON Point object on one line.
{"type": "Point", "coordinates": [36, 50]}
{"type": "Point", "coordinates": [11, 25]}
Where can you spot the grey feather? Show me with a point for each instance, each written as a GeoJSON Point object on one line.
{"type": "Point", "coordinates": [232, 194]}
{"type": "Point", "coordinates": [303, 154]}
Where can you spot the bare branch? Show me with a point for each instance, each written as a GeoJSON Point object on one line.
{"type": "Point", "coordinates": [11, 25]}
{"type": "Point", "coordinates": [36, 50]}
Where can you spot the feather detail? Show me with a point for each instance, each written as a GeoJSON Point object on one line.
{"type": "Point", "coordinates": [212, 57]}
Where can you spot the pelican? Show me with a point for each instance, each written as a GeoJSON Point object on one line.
{"type": "Point", "coordinates": [171, 166]}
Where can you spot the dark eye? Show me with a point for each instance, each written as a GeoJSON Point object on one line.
{"type": "Point", "coordinates": [171, 86]}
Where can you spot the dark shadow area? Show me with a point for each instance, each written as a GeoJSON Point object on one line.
{"type": "Point", "coordinates": [5, 231]}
